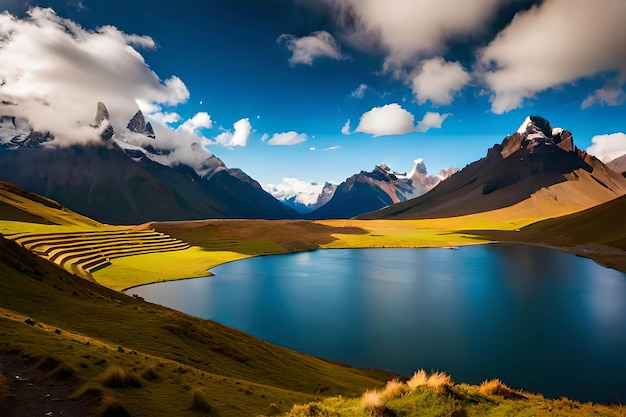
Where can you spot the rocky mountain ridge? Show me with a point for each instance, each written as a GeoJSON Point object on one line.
{"type": "Point", "coordinates": [538, 165]}
{"type": "Point", "coordinates": [115, 181]}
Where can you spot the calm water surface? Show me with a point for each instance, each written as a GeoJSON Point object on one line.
{"type": "Point", "coordinates": [536, 318]}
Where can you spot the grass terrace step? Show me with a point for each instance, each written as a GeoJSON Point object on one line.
{"type": "Point", "coordinates": [30, 240]}
{"type": "Point", "coordinates": [86, 251]}
{"type": "Point", "coordinates": [54, 252]}
{"type": "Point", "coordinates": [127, 250]}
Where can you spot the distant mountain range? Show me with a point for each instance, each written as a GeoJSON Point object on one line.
{"type": "Point", "coordinates": [618, 164]}
{"type": "Point", "coordinates": [538, 165]}
{"type": "Point", "coordinates": [131, 177]}
{"type": "Point", "coordinates": [127, 179]}
{"type": "Point", "coordinates": [381, 187]}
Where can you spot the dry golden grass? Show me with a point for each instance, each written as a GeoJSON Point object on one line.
{"type": "Point", "coordinates": [117, 377]}
{"type": "Point", "coordinates": [435, 380]}
{"type": "Point", "coordinates": [494, 387]}
{"type": "Point", "coordinates": [419, 379]}
{"type": "Point", "coordinates": [439, 380]}
{"type": "Point", "coordinates": [372, 401]}
{"type": "Point", "coordinates": [394, 389]}
{"type": "Point", "coordinates": [199, 401]}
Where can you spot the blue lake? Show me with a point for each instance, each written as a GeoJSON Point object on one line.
{"type": "Point", "coordinates": [538, 319]}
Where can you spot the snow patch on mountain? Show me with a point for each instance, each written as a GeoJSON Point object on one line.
{"type": "Point", "coordinates": [303, 192]}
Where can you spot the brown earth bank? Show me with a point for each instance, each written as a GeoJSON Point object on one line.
{"type": "Point", "coordinates": [28, 392]}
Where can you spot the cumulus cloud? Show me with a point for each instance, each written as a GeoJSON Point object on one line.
{"type": "Point", "coordinates": [408, 31]}
{"type": "Point", "coordinates": [390, 119]}
{"type": "Point", "coordinates": [359, 92]}
{"type": "Point", "coordinates": [287, 138]}
{"type": "Point", "coordinates": [165, 118]}
{"type": "Point", "coordinates": [182, 145]}
{"type": "Point", "coordinates": [304, 50]}
{"type": "Point", "coordinates": [431, 120]}
{"type": "Point", "coordinates": [305, 192]}
{"type": "Point", "coordinates": [198, 121]}
{"type": "Point", "coordinates": [608, 147]}
{"type": "Point", "coordinates": [438, 80]}
{"type": "Point", "coordinates": [237, 137]}
{"type": "Point", "coordinates": [58, 71]}
{"type": "Point", "coordinates": [611, 94]}
{"type": "Point", "coordinates": [554, 43]}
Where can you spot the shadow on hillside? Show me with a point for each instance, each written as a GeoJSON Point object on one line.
{"type": "Point", "coordinates": [255, 236]}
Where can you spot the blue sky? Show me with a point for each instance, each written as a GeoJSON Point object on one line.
{"type": "Point", "coordinates": [441, 80]}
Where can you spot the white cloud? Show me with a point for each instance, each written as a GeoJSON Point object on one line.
{"type": "Point", "coordinates": [58, 72]}
{"type": "Point", "coordinates": [238, 137]}
{"type": "Point", "coordinates": [611, 94]}
{"type": "Point", "coordinates": [438, 80]}
{"type": "Point", "coordinates": [332, 148]}
{"type": "Point", "coordinates": [410, 30]}
{"type": "Point", "coordinates": [345, 130]}
{"type": "Point", "coordinates": [554, 43]}
{"type": "Point", "coordinates": [165, 118]}
{"type": "Point", "coordinates": [307, 48]}
{"type": "Point", "coordinates": [198, 121]}
{"type": "Point", "coordinates": [305, 192]}
{"type": "Point", "coordinates": [287, 138]}
{"type": "Point", "coordinates": [431, 120]}
{"type": "Point", "coordinates": [265, 137]}
{"type": "Point", "coordinates": [390, 119]}
{"type": "Point", "coordinates": [359, 92]}
{"type": "Point", "coordinates": [608, 147]}
{"type": "Point", "coordinates": [312, 149]}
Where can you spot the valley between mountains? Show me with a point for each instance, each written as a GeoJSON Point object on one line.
{"type": "Point", "coordinates": [66, 322]}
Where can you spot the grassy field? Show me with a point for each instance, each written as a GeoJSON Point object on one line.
{"type": "Point", "coordinates": [218, 241]}
{"type": "Point", "coordinates": [79, 332]}
{"type": "Point", "coordinates": [437, 395]}
{"type": "Point", "coordinates": [121, 356]}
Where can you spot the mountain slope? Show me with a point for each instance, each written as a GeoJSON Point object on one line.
{"type": "Point", "coordinates": [618, 164]}
{"type": "Point", "coordinates": [129, 185]}
{"type": "Point", "coordinates": [17, 205]}
{"type": "Point", "coordinates": [369, 191]}
{"type": "Point", "coordinates": [74, 332]}
{"type": "Point", "coordinates": [538, 166]}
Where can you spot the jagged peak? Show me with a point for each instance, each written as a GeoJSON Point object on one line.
{"type": "Point", "coordinates": [102, 114]}
{"type": "Point", "coordinates": [418, 167]}
{"type": "Point", "coordinates": [138, 125]}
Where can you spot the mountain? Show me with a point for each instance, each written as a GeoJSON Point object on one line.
{"type": "Point", "coordinates": [618, 164]}
{"type": "Point", "coordinates": [369, 191]}
{"type": "Point", "coordinates": [300, 196]}
{"type": "Point", "coordinates": [116, 181]}
{"type": "Point", "coordinates": [538, 166]}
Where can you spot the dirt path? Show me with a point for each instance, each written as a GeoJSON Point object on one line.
{"type": "Point", "coordinates": [34, 395]}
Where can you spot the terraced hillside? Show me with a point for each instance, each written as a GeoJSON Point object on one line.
{"type": "Point", "coordinates": [84, 252]}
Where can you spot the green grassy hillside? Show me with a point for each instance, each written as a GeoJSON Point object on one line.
{"type": "Point", "coordinates": [79, 331]}
{"type": "Point", "coordinates": [116, 355]}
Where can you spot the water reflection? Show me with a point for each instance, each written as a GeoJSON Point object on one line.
{"type": "Point", "coordinates": [536, 318]}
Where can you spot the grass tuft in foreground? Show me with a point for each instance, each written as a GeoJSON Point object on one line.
{"type": "Point", "coordinates": [200, 402]}
{"type": "Point", "coordinates": [436, 395]}
{"type": "Point", "coordinates": [117, 377]}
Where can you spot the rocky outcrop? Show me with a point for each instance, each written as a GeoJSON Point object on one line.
{"type": "Point", "coordinates": [138, 125]}
{"type": "Point", "coordinates": [102, 119]}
